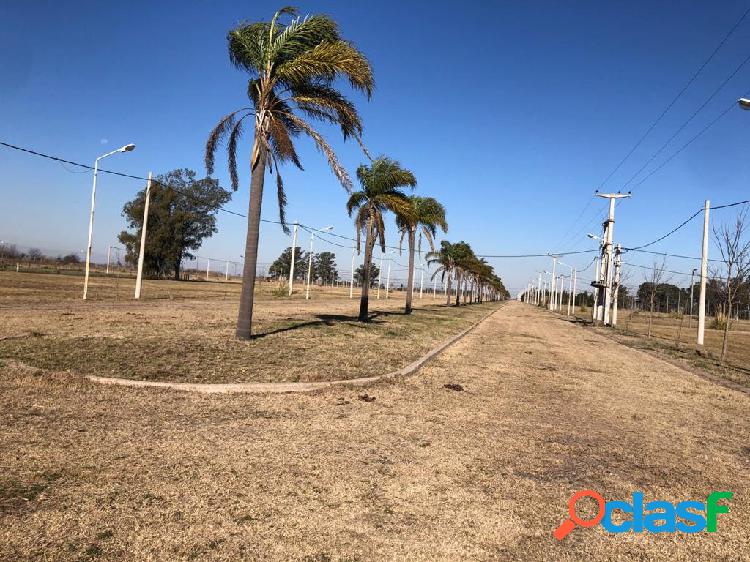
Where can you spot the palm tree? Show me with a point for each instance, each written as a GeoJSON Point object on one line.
{"type": "Point", "coordinates": [380, 192]}
{"type": "Point", "coordinates": [463, 255]}
{"type": "Point", "coordinates": [293, 68]}
{"type": "Point", "coordinates": [426, 215]}
{"type": "Point", "coordinates": [446, 262]}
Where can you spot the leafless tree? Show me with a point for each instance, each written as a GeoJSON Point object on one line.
{"type": "Point", "coordinates": [735, 253]}
{"type": "Point", "coordinates": [655, 277]}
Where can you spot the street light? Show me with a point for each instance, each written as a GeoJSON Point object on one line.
{"type": "Point", "coordinates": [309, 262]}
{"type": "Point", "coordinates": [744, 103]}
{"type": "Point", "coordinates": [126, 148]}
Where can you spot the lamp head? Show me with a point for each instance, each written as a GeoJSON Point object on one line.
{"type": "Point", "coordinates": [128, 148]}
{"type": "Point", "coordinates": [744, 103]}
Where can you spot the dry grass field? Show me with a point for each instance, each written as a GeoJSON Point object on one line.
{"type": "Point", "coordinates": [667, 337]}
{"type": "Point", "coordinates": [184, 331]}
{"type": "Point", "coordinates": [96, 472]}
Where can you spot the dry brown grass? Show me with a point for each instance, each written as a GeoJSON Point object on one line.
{"type": "Point", "coordinates": [185, 331]}
{"type": "Point", "coordinates": [92, 472]}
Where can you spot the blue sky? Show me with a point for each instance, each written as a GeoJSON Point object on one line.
{"type": "Point", "coordinates": [511, 113]}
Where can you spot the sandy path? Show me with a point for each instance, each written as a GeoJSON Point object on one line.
{"type": "Point", "coordinates": [421, 473]}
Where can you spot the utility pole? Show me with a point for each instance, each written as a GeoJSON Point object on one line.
{"type": "Point", "coordinates": [142, 250]}
{"type": "Point", "coordinates": [552, 288]}
{"type": "Point", "coordinates": [609, 228]}
{"type": "Point", "coordinates": [380, 275]}
{"type": "Point", "coordinates": [704, 273]}
{"type": "Point", "coordinates": [692, 284]}
{"type": "Point", "coordinates": [616, 284]}
{"type": "Point", "coordinates": [294, 252]}
{"type": "Point", "coordinates": [109, 251]}
{"type": "Point", "coordinates": [351, 282]}
{"type": "Point", "coordinates": [539, 289]}
{"type": "Point", "coordinates": [226, 272]}
{"type": "Point", "coordinates": [388, 279]}
{"type": "Point", "coordinates": [309, 266]}
{"type": "Point", "coordinates": [208, 267]}
{"type": "Point", "coordinates": [421, 277]}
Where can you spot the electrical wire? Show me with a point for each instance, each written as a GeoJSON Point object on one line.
{"type": "Point", "coordinates": [678, 96]}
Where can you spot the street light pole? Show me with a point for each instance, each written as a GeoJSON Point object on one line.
{"type": "Point", "coordinates": [294, 252]}
{"type": "Point", "coordinates": [142, 249]}
{"type": "Point", "coordinates": [704, 273]}
{"type": "Point", "coordinates": [126, 148]}
{"type": "Point", "coordinates": [309, 261]}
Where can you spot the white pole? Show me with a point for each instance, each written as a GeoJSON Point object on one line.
{"type": "Point", "coordinates": [309, 266]}
{"type": "Point", "coordinates": [208, 267]}
{"type": "Point", "coordinates": [351, 283]}
{"type": "Point", "coordinates": [552, 287]}
{"type": "Point", "coordinates": [692, 283]}
{"type": "Point", "coordinates": [570, 291]}
{"type": "Point", "coordinates": [380, 275]}
{"type": "Point", "coordinates": [142, 249]}
{"type": "Point", "coordinates": [539, 289]}
{"type": "Point", "coordinates": [608, 268]}
{"type": "Point", "coordinates": [388, 279]}
{"type": "Point", "coordinates": [226, 272]}
{"type": "Point", "coordinates": [616, 285]}
{"type": "Point", "coordinates": [704, 273]}
{"type": "Point", "coordinates": [109, 252]}
{"type": "Point", "coordinates": [91, 231]}
{"type": "Point", "coordinates": [421, 279]}
{"type": "Point", "coordinates": [294, 251]}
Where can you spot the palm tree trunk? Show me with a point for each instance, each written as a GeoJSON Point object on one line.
{"type": "Point", "coordinates": [448, 290]}
{"type": "Point", "coordinates": [364, 303]}
{"type": "Point", "coordinates": [410, 281]}
{"type": "Point", "coordinates": [245, 315]}
{"type": "Point", "coordinates": [458, 289]}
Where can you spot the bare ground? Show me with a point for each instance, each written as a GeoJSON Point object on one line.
{"type": "Point", "coordinates": [184, 331]}
{"type": "Point", "coordinates": [421, 473]}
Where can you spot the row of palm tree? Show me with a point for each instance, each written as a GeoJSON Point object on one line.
{"type": "Point", "coordinates": [294, 66]}
{"type": "Point", "coordinates": [475, 279]}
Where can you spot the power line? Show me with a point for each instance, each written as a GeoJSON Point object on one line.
{"type": "Point", "coordinates": [675, 229]}
{"type": "Point", "coordinates": [684, 146]}
{"type": "Point", "coordinates": [677, 97]}
{"type": "Point", "coordinates": [686, 123]}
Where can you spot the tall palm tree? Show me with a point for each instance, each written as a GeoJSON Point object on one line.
{"type": "Point", "coordinates": [446, 262]}
{"type": "Point", "coordinates": [381, 183]}
{"type": "Point", "coordinates": [293, 68]}
{"type": "Point", "coordinates": [425, 215]}
{"type": "Point", "coordinates": [463, 255]}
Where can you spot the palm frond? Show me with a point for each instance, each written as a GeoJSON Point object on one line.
{"type": "Point", "coordinates": [248, 47]}
{"type": "Point", "coordinates": [325, 62]}
{"type": "Point", "coordinates": [234, 137]}
{"type": "Point", "coordinates": [281, 143]}
{"type": "Point", "coordinates": [217, 134]}
{"type": "Point", "coordinates": [336, 167]}
{"type": "Point", "coordinates": [282, 201]}
{"type": "Point", "coordinates": [300, 36]}
{"type": "Point", "coordinates": [356, 199]}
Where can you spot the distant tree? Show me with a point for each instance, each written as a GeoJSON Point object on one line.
{"type": "Point", "coordinates": [282, 265]}
{"type": "Point", "coordinates": [324, 267]}
{"type": "Point", "coordinates": [182, 213]}
{"type": "Point", "coordinates": [650, 288]}
{"type": "Point", "coordinates": [359, 274]}
{"type": "Point", "coordinates": [35, 254]}
{"type": "Point", "coordinates": [69, 258]}
{"type": "Point", "coordinates": [735, 253]}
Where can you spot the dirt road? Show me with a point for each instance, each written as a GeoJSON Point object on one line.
{"type": "Point", "coordinates": [420, 473]}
